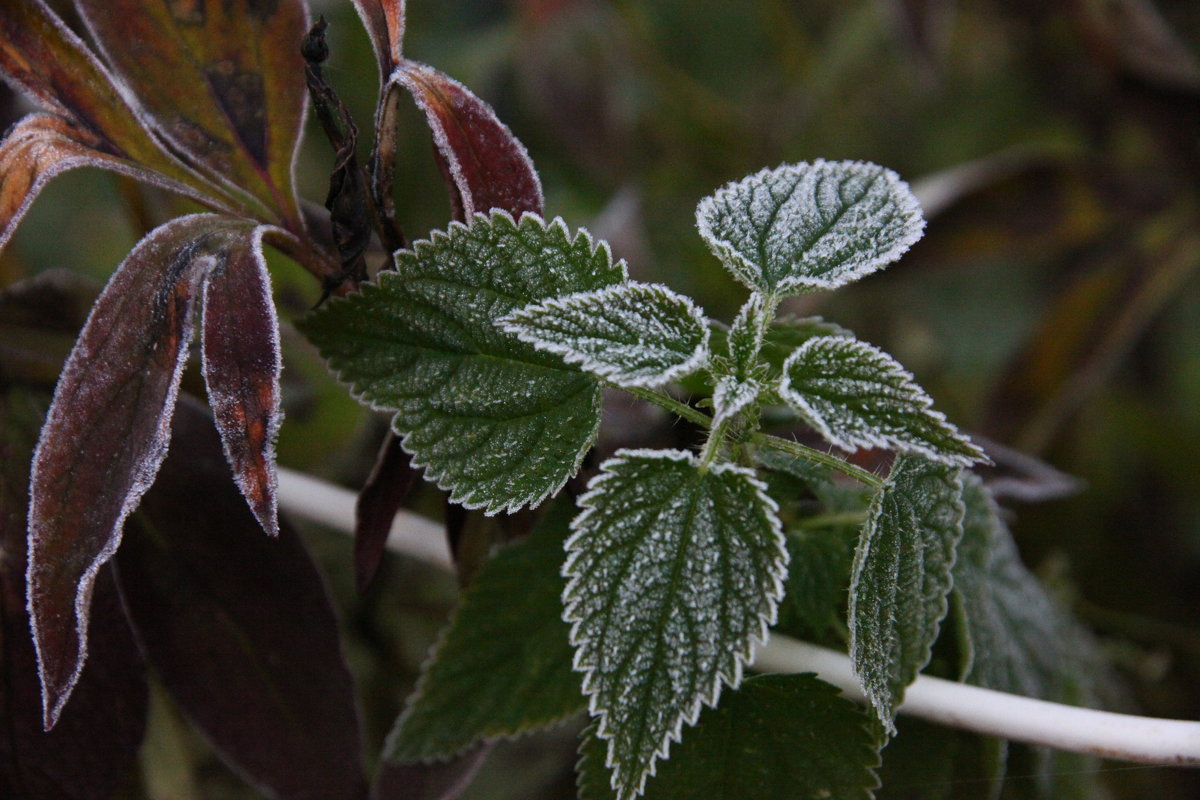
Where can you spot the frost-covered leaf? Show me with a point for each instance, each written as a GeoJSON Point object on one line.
{"type": "Point", "coordinates": [239, 627]}
{"type": "Point", "coordinates": [856, 395]}
{"type": "Point", "coordinates": [901, 577]}
{"type": "Point", "coordinates": [234, 100]}
{"type": "Point", "coordinates": [384, 21]}
{"type": "Point", "coordinates": [675, 572]}
{"type": "Point", "coordinates": [777, 737]}
{"type": "Point", "coordinates": [107, 430]}
{"type": "Point", "coordinates": [732, 396]}
{"type": "Point", "coordinates": [818, 574]}
{"type": "Point", "coordinates": [486, 166]}
{"type": "Point", "coordinates": [503, 666]}
{"type": "Point", "coordinates": [809, 226]}
{"type": "Point", "coordinates": [632, 334]}
{"type": "Point", "coordinates": [746, 335]}
{"type": "Point", "coordinates": [493, 420]}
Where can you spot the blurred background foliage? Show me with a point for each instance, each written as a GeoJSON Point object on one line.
{"type": "Point", "coordinates": [1053, 306]}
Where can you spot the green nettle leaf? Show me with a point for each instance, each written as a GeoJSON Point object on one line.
{"type": "Point", "coordinates": [804, 227]}
{"type": "Point", "coordinates": [503, 666]}
{"type": "Point", "coordinates": [778, 737]}
{"type": "Point", "coordinates": [901, 577]}
{"type": "Point", "coordinates": [746, 335]}
{"type": "Point", "coordinates": [675, 572]}
{"type": "Point", "coordinates": [816, 583]}
{"type": "Point", "coordinates": [491, 418]}
{"type": "Point", "coordinates": [632, 334]}
{"type": "Point", "coordinates": [731, 396]}
{"type": "Point", "coordinates": [856, 396]}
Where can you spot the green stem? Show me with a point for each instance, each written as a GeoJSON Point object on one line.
{"type": "Point", "coordinates": [836, 519]}
{"type": "Point", "coordinates": [833, 462]}
{"type": "Point", "coordinates": [670, 404]}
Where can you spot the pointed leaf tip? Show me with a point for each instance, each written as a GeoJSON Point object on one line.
{"type": "Point", "coordinates": [810, 226]}
{"type": "Point", "coordinates": [675, 572]}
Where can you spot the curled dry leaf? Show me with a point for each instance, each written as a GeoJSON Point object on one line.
{"type": "Point", "coordinates": [107, 430]}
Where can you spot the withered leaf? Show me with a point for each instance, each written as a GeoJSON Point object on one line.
{"type": "Point", "coordinates": [107, 430]}
{"type": "Point", "coordinates": [71, 760]}
{"type": "Point", "coordinates": [239, 627]}
{"type": "Point", "coordinates": [386, 489]}
{"type": "Point", "coordinates": [384, 21]}
{"type": "Point", "coordinates": [485, 165]}
{"type": "Point", "coordinates": [234, 101]}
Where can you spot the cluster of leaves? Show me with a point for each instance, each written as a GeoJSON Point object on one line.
{"type": "Point", "coordinates": [491, 343]}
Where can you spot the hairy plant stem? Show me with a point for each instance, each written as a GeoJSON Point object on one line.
{"type": "Point", "coordinates": [670, 404]}
{"type": "Point", "coordinates": [1122, 737]}
{"type": "Point", "coordinates": [819, 456]}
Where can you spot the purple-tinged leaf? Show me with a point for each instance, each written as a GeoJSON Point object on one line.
{"type": "Point", "coordinates": [385, 491]}
{"type": "Point", "coordinates": [438, 780]}
{"type": "Point", "coordinates": [45, 59]}
{"type": "Point", "coordinates": [384, 21]}
{"type": "Point", "coordinates": [239, 627]}
{"type": "Point", "coordinates": [41, 146]}
{"type": "Point", "coordinates": [234, 99]}
{"type": "Point", "coordinates": [107, 432]}
{"type": "Point", "coordinates": [486, 166]}
{"type": "Point", "coordinates": [71, 761]}
{"type": "Point", "coordinates": [241, 369]}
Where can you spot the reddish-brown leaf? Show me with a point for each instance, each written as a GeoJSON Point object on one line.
{"type": "Point", "coordinates": [41, 146]}
{"type": "Point", "coordinates": [224, 82]}
{"type": "Point", "coordinates": [386, 489]}
{"type": "Point", "coordinates": [384, 21]}
{"type": "Point", "coordinates": [441, 780]}
{"type": "Point", "coordinates": [71, 761]}
{"type": "Point", "coordinates": [239, 627]}
{"type": "Point", "coordinates": [241, 369]}
{"type": "Point", "coordinates": [486, 166]}
{"type": "Point", "coordinates": [44, 58]}
{"type": "Point", "coordinates": [106, 433]}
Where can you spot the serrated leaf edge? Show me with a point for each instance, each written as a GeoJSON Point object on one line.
{"type": "Point", "coordinates": [922, 402]}
{"type": "Point", "coordinates": [747, 272]}
{"type": "Point", "coordinates": [741, 657]}
{"type": "Point", "coordinates": [512, 324]}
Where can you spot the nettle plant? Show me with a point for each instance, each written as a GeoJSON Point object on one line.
{"type": "Point", "coordinates": [492, 344]}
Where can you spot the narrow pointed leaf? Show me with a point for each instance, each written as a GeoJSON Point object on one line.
{"type": "Point", "coordinates": [503, 666]}
{"type": "Point", "coordinates": [675, 573]}
{"type": "Point", "coordinates": [384, 21]}
{"type": "Point", "coordinates": [239, 626]}
{"type": "Point", "coordinates": [487, 167]}
{"type": "Point", "coordinates": [856, 395]}
{"type": "Point", "coordinates": [389, 484]}
{"type": "Point", "coordinates": [901, 577]}
{"type": "Point", "coordinates": [489, 417]}
{"type": "Point", "coordinates": [810, 226]}
{"type": "Point", "coordinates": [632, 334]}
{"type": "Point", "coordinates": [234, 99]}
{"type": "Point", "coordinates": [107, 432]}
{"type": "Point", "coordinates": [777, 737]}
{"type": "Point", "coordinates": [241, 369]}
{"type": "Point", "coordinates": [46, 59]}
{"type": "Point", "coordinates": [746, 335]}
{"type": "Point", "coordinates": [40, 147]}
{"type": "Point", "coordinates": [71, 760]}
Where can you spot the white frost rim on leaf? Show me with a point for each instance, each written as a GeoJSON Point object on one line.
{"type": "Point", "coordinates": [909, 391]}
{"type": "Point", "coordinates": [741, 657]}
{"type": "Point", "coordinates": [523, 324]}
{"type": "Point", "coordinates": [731, 396]}
{"type": "Point", "coordinates": [1123, 737]}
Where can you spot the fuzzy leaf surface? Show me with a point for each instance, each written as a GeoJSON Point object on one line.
{"type": "Point", "coordinates": [239, 626]}
{"type": "Point", "coordinates": [490, 418]}
{"type": "Point", "coordinates": [107, 430]}
{"type": "Point", "coordinates": [901, 577]}
{"type": "Point", "coordinates": [503, 666]}
{"type": "Point", "coordinates": [235, 98]}
{"type": "Point", "coordinates": [485, 165]}
{"type": "Point", "coordinates": [856, 396]}
{"type": "Point", "coordinates": [384, 21]}
{"type": "Point", "coordinates": [675, 573]}
{"type": "Point", "coordinates": [810, 226]}
{"type": "Point", "coordinates": [632, 334]}
{"type": "Point", "coordinates": [777, 737]}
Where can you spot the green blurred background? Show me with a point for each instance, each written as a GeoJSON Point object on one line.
{"type": "Point", "coordinates": [1053, 306]}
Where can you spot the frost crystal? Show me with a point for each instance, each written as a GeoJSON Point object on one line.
{"type": "Point", "coordinates": [805, 227]}
{"type": "Point", "coordinates": [633, 334]}
{"type": "Point", "coordinates": [856, 395]}
{"type": "Point", "coordinates": [674, 574]}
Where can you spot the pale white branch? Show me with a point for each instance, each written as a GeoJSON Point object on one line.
{"type": "Point", "coordinates": [1123, 737]}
